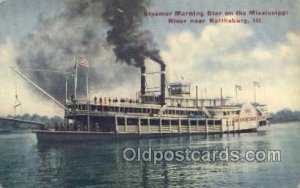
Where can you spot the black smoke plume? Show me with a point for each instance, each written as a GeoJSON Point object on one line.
{"type": "Point", "coordinates": [131, 44]}
{"type": "Point", "coordinates": [81, 30]}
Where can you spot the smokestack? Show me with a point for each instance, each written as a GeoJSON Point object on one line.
{"type": "Point", "coordinates": [162, 84]}
{"type": "Point", "coordinates": [143, 80]}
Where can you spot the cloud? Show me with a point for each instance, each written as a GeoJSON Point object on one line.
{"type": "Point", "coordinates": [32, 101]}
{"type": "Point", "coordinates": [223, 55]}
{"type": "Point", "coordinates": [1, 1]}
{"type": "Point", "coordinates": [217, 56]}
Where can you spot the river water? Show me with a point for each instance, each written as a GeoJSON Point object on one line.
{"type": "Point", "coordinates": [25, 163]}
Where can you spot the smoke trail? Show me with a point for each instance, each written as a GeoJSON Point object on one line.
{"type": "Point", "coordinates": [81, 29]}
{"type": "Point", "coordinates": [131, 44]}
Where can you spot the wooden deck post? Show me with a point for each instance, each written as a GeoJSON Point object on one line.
{"type": "Point", "coordinates": [206, 126]}
{"type": "Point", "coordinates": [179, 125]}
{"type": "Point", "coordinates": [148, 121]}
{"type": "Point", "coordinates": [160, 125]}
{"type": "Point", "coordinates": [139, 125]}
{"type": "Point", "coordinates": [116, 123]}
{"type": "Point", "coordinates": [222, 126]}
{"type": "Point", "coordinates": [227, 124]}
{"type": "Point", "coordinates": [125, 119]}
{"type": "Point", "coordinates": [189, 126]}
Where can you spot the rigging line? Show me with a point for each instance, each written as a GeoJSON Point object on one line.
{"type": "Point", "coordinates": [15, 83]}
{"type": "Point", "coordinates": [17, 102]}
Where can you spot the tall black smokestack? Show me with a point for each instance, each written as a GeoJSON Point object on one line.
{"type": "Point", "coordinates": [162, 84]}
{"type": "Point", "coordinates": [143, 80]}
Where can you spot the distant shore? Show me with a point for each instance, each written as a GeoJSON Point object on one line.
{"type": "Point", "coordinates": [280, 122]}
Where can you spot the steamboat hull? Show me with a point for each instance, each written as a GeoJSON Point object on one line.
{"type": "Point", "coordinates": [110, 124]}
{"type": "Point", "coordinates": [45, 136]}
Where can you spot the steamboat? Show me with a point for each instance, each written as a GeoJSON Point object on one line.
{"type": "Point", "coordinates": [169, 111]}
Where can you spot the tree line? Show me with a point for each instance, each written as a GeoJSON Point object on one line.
{"type": "Point", "coordinates": [49, 121]}
{"type": "Point", "coordinates": [285, 115]}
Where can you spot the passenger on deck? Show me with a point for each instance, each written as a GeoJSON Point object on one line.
{"type": "Point", "coordinates": [115, 100]}
{"type": "Point", "coordinates": [61, 127]}
{"type": "Point", "coordinates": [56, 127]}
{"type": "Point", "coordinates": [100, 100]}
{"type": "Point", "coordinates": [109, 100]}
{"type": "Point", "coordinates": [97, 127]}
{"type": "Point", "coordinates": [75, 127]}
{"type": "Point", "coordinates": [95, 100]}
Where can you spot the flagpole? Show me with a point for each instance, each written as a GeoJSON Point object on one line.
{"type": "Point", "coordinates": [236, 97]}
{"type": "Point", "coordinates": [221, 93]}
{"type": "Point", "coordinates": [254, 93]}
{"type": "Point", "coordinates": [237, 89]}
{"type": "Point", "coordinates": [75, 79]}
{"type": "Point", "coordinates": [88, 96]}
{"type": "Point", "coordinates": [87, 84]}
{"type": "Point", "coordinates": [75, 91]}
{"type": "Point", "coordinates": [66, 102]}
{"type": "Point", "coordinates": [66, 90]}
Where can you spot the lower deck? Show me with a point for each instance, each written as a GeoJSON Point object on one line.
{"type": "Point", "coordinates": [140, 126]}
{"type": "Point", "coordinates": [123, 124]}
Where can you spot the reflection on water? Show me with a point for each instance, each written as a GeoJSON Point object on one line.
{"type": "Point", "coordinates": [24, 163]}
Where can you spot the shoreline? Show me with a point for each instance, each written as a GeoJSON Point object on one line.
{"type": "Point", "coordinates": [279, 122]}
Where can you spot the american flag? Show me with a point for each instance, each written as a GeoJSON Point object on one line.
{"type": "Point", "coordinates": [84, 62]}
{"type": "Point", "coordinates": [255, 83]}
{"type": "Point", "coordinates": [238, 87]}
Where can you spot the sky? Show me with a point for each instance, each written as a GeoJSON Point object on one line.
{"type": "Point", "coordinates": [208, 55]}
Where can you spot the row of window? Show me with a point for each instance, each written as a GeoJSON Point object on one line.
{"type": "Point", "coordinates": [144, 122]}
{"type": "Point", "coordinates": [229, 113]}
{"type": "Point", "coordinates": [137, 110]}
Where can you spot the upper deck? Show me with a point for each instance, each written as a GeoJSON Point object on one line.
{"type": "Point", "coordinates": [174, 107]}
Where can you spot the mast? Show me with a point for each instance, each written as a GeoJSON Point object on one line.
{"type": "Point", "coordinates": [88, 96]}
{"type": "Point", "coordinates": [75, 79]}
{"type": "Point", "coordinates": [221, 93]}
{"type": "Point", "coordinates": [87, 84]}
{"type": "Point", "coordinates": [66, 90]}
{"type": "Point", "coordinates": [255, 84]}
{"type": "Point", "coordinates": [236, 94]}
{"type": "Point", "coordinates": [197, 96]}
